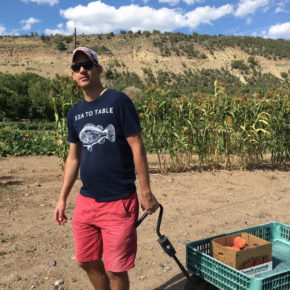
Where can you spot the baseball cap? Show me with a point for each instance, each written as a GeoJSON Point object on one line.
{"type": "Point", "coordinates": [87, 51]}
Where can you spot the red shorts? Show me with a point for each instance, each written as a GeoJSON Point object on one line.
{"type": "Point", "coordinates": [106, 229]}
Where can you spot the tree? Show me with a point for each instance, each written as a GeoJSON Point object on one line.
{"type": "Point", "coordinates": [252, 61]}
{"type": "Point", "coordinates": [5, 102]}
{"type": "Point", "coordinates": [60, 45]}
{"type": "Point", "coordinates": [41, 107]}
{"type": "Point", "coordinates": [284, 75]}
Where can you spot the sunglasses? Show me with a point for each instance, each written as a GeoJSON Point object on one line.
{"type": "Point", "coordinates": [86, 65]}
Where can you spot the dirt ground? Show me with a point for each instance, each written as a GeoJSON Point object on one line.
{"type": "Point", "coordinates": [35, 252]}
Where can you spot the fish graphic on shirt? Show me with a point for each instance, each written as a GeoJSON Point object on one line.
{"type": "Point", "coordinates": [91, 135]}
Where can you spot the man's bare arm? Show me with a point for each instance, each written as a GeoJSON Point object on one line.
{"type": "Point", "coordinates": [70, 174]}
{"type": "Point", "coordinates": [148, 201]}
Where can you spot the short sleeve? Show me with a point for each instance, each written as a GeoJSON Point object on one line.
{"type": "Point", "coordinates": [128, 116]}
{"type": "Point", "coordinates": [72, 134]}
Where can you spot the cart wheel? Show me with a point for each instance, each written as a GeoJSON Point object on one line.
{"type": "Point", "coordinates": [200, 284]}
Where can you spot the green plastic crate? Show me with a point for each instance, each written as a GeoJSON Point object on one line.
{"type": "Point", "coordinates": [222, 276]}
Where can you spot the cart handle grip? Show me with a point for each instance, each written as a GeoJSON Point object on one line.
{"type": "Point", "coordinates": [158, 222]}
{"type": "Point", "coordinates": [141, 219]}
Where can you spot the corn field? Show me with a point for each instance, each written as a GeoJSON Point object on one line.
{"type": "Point", "coordinates": [219, 129]}
{"type": "Point", "coordinates": [201, 131]}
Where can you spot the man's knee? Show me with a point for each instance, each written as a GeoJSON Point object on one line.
{"type": "Point", "coordinates": [119, 280]}
{"type": "Point", "coordinates": [83, 265]}
{"type": "Point", "coordinates": [92, 266]}
{"type": "Point", "coordinates": [117, 275]}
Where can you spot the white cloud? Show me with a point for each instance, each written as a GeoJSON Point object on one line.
{"type": "Point", "coordinates": [248, 20]}
{"type": "Point", "coordinates": [281, 7]}
{"type": "Point", "coordinates": [191, 2]}
{"type": "Point", "coordinates": [254, 34]}
{"type": "Point", "coordinates": [28, 23]}
{"type": "Point", "coordinates": [98, 17]}
{"type": "Point", "coordinates": [246, 7]}
{"type": "Point", "coordinates": [170, 2]}
{"type": "Point", "coordinates": [279, 31]}
{"type": "Point", "coordinates": [207, 14]}
{"type": "Point", "coordinates": [59, 30]}
{"type": "Point", "coordinates": [2, 30]}
{"type": "Point", "coordinates": [50, 2]}
{"type": "Point", "coordinates": [56, 31]}
{"type": "Point", "coordinates": [262, 34]}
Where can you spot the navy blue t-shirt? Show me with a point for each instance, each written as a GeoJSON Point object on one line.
{"type": "Point", "coordinates": [107, 167]}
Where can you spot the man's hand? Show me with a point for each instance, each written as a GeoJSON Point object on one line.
{"type": "Point", "coordinates": [59, 213]}
{"type": "Point", "coordinates": [149, 203]}
{"type": "Point", "coordinates": [70, 174]}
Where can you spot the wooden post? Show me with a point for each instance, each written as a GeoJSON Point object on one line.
{"type": "Point", "coordinates": [75, 37]}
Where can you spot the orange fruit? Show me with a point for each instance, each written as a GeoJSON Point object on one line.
{"type": "Point", "coordinates": [239, 242]}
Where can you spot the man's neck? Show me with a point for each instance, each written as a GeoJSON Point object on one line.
{"type": "Point", "coordinates": [93, 94]}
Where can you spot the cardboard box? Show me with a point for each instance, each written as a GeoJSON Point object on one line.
{"type": "Point", "coordinates": [260, 251]}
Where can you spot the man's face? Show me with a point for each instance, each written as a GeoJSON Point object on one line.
{"type": "Point", "coordinates": [85, 77]}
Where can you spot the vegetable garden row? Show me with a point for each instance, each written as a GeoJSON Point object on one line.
{"type": "Point", "coordinates": [210, 131]}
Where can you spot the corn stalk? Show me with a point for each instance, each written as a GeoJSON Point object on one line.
{"type": "Point", "coordinates": [62, 102]}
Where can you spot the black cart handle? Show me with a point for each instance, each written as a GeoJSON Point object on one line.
{"type": "Point", "coordinates": [141, 219]}
{"type": "Point", "coordinates": [166, 244]}
{"type": "Point", "coordinates": [158, 222]}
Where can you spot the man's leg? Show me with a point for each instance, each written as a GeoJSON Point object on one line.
{"type": "Point", "coordinates": [120, 240]}
{"type": "Point", "coordinates": [118, 281]}
{"type": "Point", "coordinates": [97, 274]}
{"type": "Point", "coordinates": [88, 243]}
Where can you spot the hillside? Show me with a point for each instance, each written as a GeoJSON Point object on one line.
{"type": "Point", "coordinates": [132, 52]}
{"type": "Point", "coordinates": [181, 62]}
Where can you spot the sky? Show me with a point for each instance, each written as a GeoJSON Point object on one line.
{"type": "Point", "coordinates": [263, 18]}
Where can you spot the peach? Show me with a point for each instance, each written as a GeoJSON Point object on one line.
{"type": "Point", "coordinates": [239, 242]}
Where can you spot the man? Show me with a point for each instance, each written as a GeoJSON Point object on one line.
{"type": "Point", "coordinates": [106, 143]}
